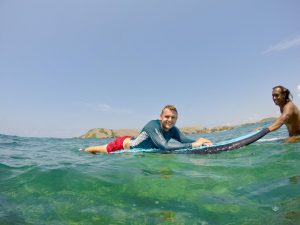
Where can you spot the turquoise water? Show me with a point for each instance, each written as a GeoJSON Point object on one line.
{"type": "Point", "coordinates": [48, 181]}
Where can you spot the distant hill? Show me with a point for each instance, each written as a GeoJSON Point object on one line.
{"type": "Point", "coordinates": [269, 119]}
{"type": "Point", "coordinates": [110, 133]}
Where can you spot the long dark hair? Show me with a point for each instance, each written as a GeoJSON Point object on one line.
{"type": "Point", "coordinates": [287, 94]}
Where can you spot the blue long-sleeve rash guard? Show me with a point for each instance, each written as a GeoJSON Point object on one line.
{"type": "Point", "coordinates": [154, 136]}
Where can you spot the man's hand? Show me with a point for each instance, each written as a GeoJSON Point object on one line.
{"type": "Point", "coordinates": [201, 141]}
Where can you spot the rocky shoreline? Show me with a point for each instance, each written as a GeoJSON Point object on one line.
{"type": "Point", "coordinates": [111, 133]}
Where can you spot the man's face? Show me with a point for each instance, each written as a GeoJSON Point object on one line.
{"type": "Point", "coordinates": [168, 119]}
{"type": "Point", "coordinates": [278, 97]}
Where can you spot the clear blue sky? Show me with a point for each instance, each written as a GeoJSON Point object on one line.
{"type": "Point", "coordinates": [67, 66]}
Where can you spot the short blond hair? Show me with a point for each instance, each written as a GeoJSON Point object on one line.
{"type": "Point", "coordinates": [170, 107]}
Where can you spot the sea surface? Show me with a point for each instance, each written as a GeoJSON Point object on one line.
{"type": "Point", "coordinates": [49, 181]}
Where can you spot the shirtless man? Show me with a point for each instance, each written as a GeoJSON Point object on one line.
{"type": "Point", "coordinates": [290, 114]}
{"type": "Point", "coordinates": [155, 134]}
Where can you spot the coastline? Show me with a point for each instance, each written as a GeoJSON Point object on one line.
{"type": "Point", "coordinates": [103, 133]}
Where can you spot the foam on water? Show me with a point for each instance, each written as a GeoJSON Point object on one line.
{"type": "Point", "coordinates": [271, 139]}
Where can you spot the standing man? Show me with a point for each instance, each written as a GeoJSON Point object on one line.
{"type": "Point", "coordinates": [290, 114]}
{"type": "Point", "coordinates": [155, 134]}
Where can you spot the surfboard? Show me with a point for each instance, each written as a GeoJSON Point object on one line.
{"type": "Point", "coordinates": [225, 145]}
{"type": "Point", "coordinates": [215, 148]}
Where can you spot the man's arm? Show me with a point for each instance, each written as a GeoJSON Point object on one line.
{"type": "Point", "coordinates": [286, 114]}
{"type": "Point", "coordinates": [179, 136]}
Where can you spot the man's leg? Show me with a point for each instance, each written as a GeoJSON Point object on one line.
{"type": "Point", "coordinates": [97, 149]}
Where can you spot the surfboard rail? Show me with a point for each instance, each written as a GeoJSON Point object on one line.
{"type": "Point", "coordinates": [225, 145]}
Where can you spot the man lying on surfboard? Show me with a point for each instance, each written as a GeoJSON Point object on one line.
{"type": "Point", "coordinates": [290, 114]}
{"type": "Point", "coordinates": [155, 134]}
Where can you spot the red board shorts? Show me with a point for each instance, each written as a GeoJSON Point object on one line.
{"type": "Point", "coordinates": [116, 144]}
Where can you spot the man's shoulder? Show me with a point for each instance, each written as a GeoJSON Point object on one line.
{"type": "Point", "coordinates": [152, 124]}
{"type": "Point", "coordinates": [290, 106]}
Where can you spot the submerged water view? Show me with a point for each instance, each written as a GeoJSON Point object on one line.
{"type": "Point", "coordinates": [48, 181]}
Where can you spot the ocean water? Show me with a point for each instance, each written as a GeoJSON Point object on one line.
{"type": "Point", "coordinates": [48, 181]}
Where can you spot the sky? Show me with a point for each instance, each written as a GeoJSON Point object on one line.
{"type": "Point", "coordinates": [67, 66]}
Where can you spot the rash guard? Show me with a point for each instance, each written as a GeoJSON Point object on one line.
{"type": "Point", "coordinates": [154, 136]}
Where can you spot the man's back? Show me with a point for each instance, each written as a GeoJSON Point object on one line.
{"type": "Point", "coordinates": [293, 121]}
